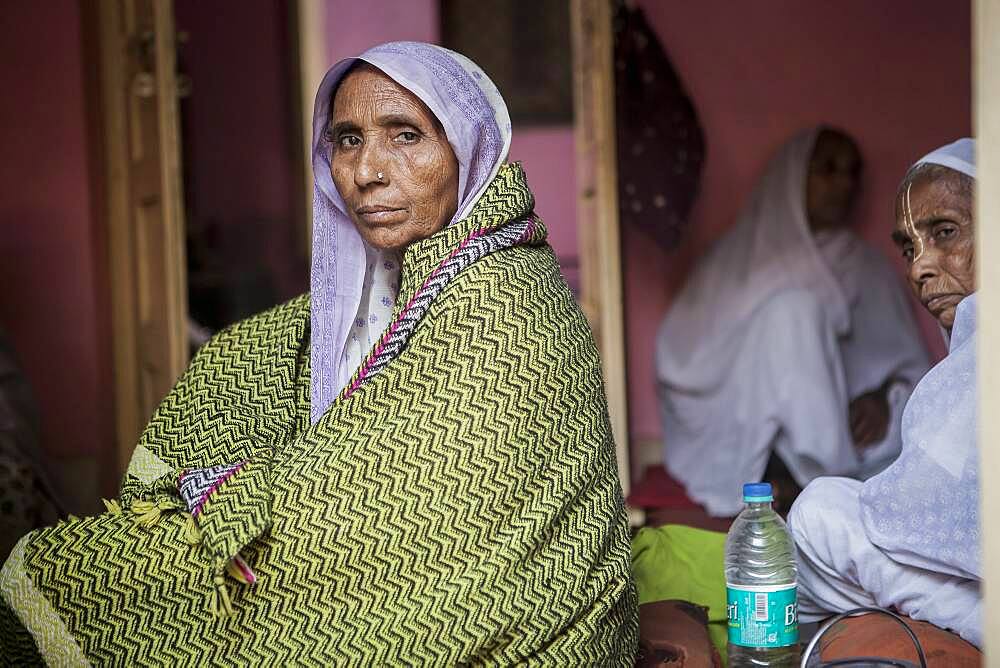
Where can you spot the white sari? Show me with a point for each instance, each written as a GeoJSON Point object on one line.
{"type": "Point", "coordinates": [907, 538]}
{"type": "Point", "coordinates": [772, 336]}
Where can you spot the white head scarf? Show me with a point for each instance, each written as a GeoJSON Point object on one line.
{"type": "Point", "coordinates": [769, 249]}
{"type": "Point", "coordinates": [924, 508]}
{"type": "Point", "coordinates": [354, 286]}
{"type": "Point", "coordinates": [959, 155]}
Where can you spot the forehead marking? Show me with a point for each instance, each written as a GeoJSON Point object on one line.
{"type": "Point", "coordinates": [911, 229]}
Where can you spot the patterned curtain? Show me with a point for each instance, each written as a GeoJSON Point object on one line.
{"type": "Point", "coordinates": [661, 146]}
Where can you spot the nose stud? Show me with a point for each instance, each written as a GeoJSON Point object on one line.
{"type": "Point", "coordinates": [380, 176]}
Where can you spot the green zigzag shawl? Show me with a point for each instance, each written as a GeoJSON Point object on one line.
{"type": "Point", "coordinates": [458, 504]}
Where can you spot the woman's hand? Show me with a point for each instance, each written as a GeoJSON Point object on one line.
{"type": "Point", "coordinates": [868, 417]}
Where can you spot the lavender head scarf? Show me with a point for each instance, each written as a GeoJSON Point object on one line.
{"type": "Point", "coordinates": [354, 285]}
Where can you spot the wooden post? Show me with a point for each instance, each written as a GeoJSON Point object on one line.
{"type": "Point", "coordinates": [306, 27]}
{"type": "Point", "coordinates": [986, 98]}
{"type": "Point", "coordinates": [142, 205]}
{"type": "Point", "coordinates": [597, 187]}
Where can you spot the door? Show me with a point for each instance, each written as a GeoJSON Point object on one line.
{"type": "Point", "coordinates": [142, 206]}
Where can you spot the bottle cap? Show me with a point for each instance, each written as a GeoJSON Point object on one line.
{"type": "Point", "coordinates": [757, 492]}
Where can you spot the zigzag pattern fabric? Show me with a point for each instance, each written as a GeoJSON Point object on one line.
{"type": "Point", "coordinates": [479, 243]}
{"type": "Point", "coordinates": [459, 507]}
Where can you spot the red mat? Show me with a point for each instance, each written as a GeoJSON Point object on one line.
{"type": "Point", "coordinates": [665, 502]}
{"type": "Point", "coordinates": [657, 489]}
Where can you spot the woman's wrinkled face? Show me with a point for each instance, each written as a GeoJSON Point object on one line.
{"type": "Point", "coordinates": [377, 127]}
{"type": "Point", "coordinates": [935, 232]}
{"type": "Point", "coordinates": [833, 181]}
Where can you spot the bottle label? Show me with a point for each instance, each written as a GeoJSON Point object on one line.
{"type": "Point", "coordinates": [762, 616]}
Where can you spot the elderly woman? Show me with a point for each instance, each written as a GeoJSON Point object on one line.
{"type": "Point", "coordinates": [908, 538]}
{"type": "Point", "coordinates": [412, 465]}
{"type": "Point", "coordinates": [791, 349]}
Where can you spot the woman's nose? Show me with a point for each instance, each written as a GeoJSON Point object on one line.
{"type": "Point", "coordinates": [370, 165]}
{"type": "Point", "coordinates": [846, 181]}
{"type": "Point", "coordinates": [926, 261]}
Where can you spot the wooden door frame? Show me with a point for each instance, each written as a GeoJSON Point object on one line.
{"type": "Point", "coordinates": [115, 36]}
{"type": "Point", "coordinates": [986, 109]}
{"type": "Point", "coordinates": [309, 57]}
{"type": "Point", "coordinates": [597, 206]}
{"type": "Point", "coordinates": [107, 27]}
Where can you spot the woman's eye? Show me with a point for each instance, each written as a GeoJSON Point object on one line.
{"type": "Point", "coordinates": [908, 253]}
{"type": "Point", "coordinates": [349, 140]}
{"type": "Point", "coordinates": [945, 233]}
{"type": "Point", "coordinates": [407, 137]}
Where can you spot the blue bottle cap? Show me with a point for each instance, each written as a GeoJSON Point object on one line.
{"type": "Point", "coordinates": [757, 492]}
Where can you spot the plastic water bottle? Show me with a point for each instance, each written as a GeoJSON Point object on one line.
{"type": "Point", "coordinates": [761, 578]}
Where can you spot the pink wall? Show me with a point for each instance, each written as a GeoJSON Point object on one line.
{"type": "Point", "coordinates": [546, 152]}
{"type": "Point", "coordinates": [895, 75]}
{"type": "Point", "coordinates": [352, 27]}
{"type": "Point", "coordinates": [51, 265]}
{"type": "Point", "coordinates": [238, 132]}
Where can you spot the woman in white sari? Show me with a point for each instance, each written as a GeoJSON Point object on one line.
{"type": "Point", "coordinates": [908, 538]}
{"type": "Point", "coordinates": [793, 338]}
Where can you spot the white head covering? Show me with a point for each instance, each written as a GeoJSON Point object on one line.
{"type": "Point", "coordinates": [729, 397]}
{"type": "Point", "coordinates": [770, 249]}
{"type": "Point", "coordinates": [354, 286]}
{"type": "Point", "coordinates": [924, 509]}
{"type": "Point", "coordinates": [959, 155]}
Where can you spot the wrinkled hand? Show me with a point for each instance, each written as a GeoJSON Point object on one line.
{"type": "Point", "coordinates": [868, 417]}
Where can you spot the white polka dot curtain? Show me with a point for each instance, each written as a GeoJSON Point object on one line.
{"type": "Point", "coordinates": [661, 146]}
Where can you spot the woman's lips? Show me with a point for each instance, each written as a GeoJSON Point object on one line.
{"type": "Point", "coordinates": [381, 215]}
{"type": "Point", "coordinates": [939, 303]}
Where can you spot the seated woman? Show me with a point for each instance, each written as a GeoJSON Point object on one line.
{"type": "Point", "coordinates": [908, 538]}
{"type": "Point", "coordinates": [413, 464]}
{"type": "Point", "coordinates": [792, 338]}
